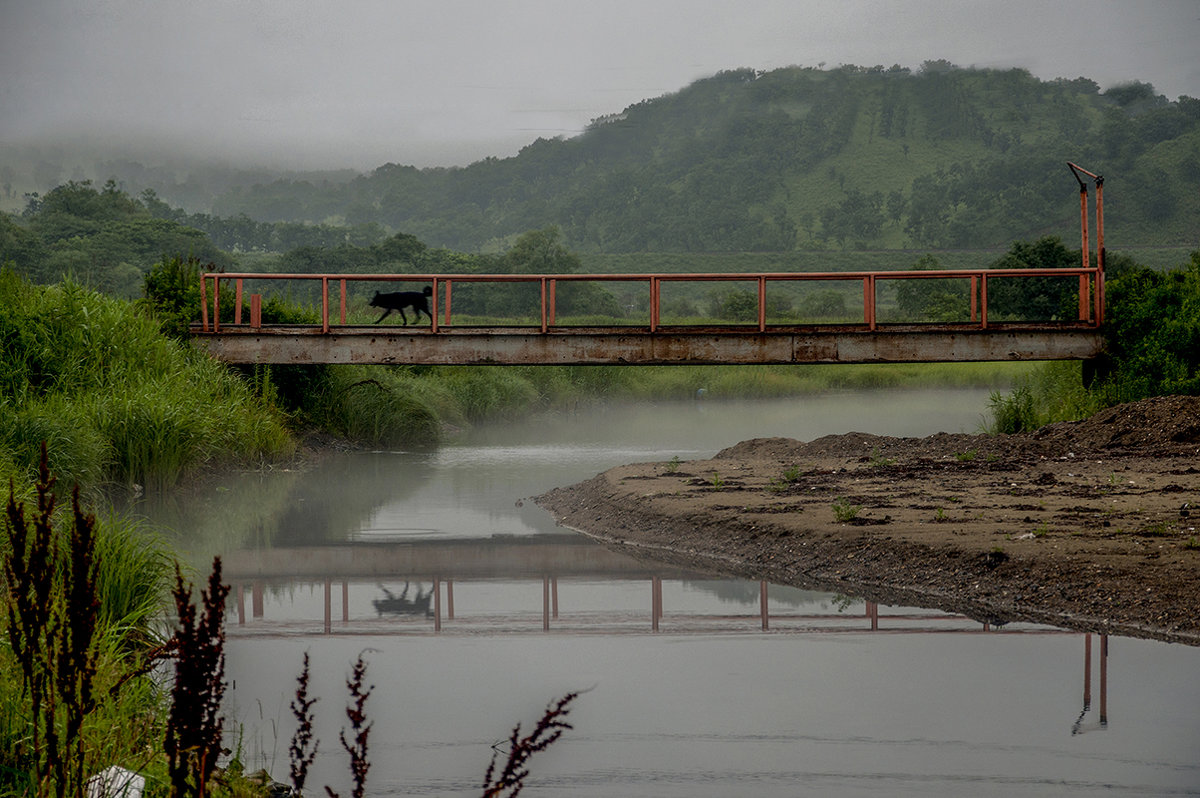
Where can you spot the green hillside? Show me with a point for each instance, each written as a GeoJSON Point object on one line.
{"type": "Point", "coordinates": [794, 160]}
{"type": "Point", "coordinates": [800, 158]}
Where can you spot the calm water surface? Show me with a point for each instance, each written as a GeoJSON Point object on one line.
{"type": "Point", "coordinates": [833, 697]}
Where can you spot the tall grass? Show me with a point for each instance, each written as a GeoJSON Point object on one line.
{"type": "Point", "coordinates": [1053, 392]}
{"type": "Point", "coordinates": [114, 399]}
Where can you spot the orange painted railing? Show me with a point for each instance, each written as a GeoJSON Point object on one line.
{"type": "Point", "coordinates": [1091, 291]}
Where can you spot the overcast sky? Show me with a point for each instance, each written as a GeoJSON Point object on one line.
{"type": "Point", "coordinates": [358, 83]}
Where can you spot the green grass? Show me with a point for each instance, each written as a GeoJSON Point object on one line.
{"type": "Point", "coordinates": [114, 399]}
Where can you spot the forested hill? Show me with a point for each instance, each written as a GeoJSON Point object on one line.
{"type": "Point", "coordinates": [799, 158]}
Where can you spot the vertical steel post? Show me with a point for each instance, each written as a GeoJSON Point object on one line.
{"type": "Point", "coordinates": [655, 287]}
{"type": "Point", "coordinates": [203, 304]}
{"type": "Point", "coordinates": [543, 283]}
{"type": "Point", "coordinates": [324, 304]}
{"type": "Point", "coordinates": [447, 314]}
{"type": "Point", "coordinates": [342, 315]}
{"type": "Point", "coordinates": [762, 303]}
{"type": "Point", "coordinates": [255, 311]}
{"type": "Point", "coordinates": [345, 601]}
{"type": "Point", "coordinates": [974, 298]}
{"type": "Point", "coordinates": [983, 300]}
{"type": "Point", "coordinates": [1087, 250]}
{"type": "Point", "coordinates": [545, 604]}
{"type": "Point", "coordinates": [237, 301]}
{"type": "Point", "coordinates": [433, 311]}
{"type": "Point", "coordinates": [216, 303]}
{"type": "Point", "coordinates": [553, 302]}
{"type": "Point", "coordinates": [1099, 298]}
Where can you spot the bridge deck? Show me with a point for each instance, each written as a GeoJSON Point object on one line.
{"type": "Point", "coordinates": [632, 346]}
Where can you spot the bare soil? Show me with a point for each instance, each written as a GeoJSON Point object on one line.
{"type": "Point", "coordinates": [1088, 525]}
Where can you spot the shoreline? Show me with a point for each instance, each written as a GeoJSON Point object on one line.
{"type": "Point", "coordinates": [1085, 525]}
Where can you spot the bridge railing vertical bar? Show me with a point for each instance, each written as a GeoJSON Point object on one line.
{"type": "Point", "coordinates": [216, 303]}
{"type": "Point", "coordinates": [869, 301]}
{"type": "Point", "coordinates": [655, 287]}
{"type": "Point", "coordinates": [762, 304]}
{"type": "Point", "coordinates": [325, 304]}
{"type": "Point", "coordinates": [542, 281]}
{"type": "Point", "coordinates": [974, 298]}
{"type": "Point", "coordinates": [447, 311]}
{"type": "Point", "coordinates": [342, 314]}
{"type": "Point", "coordinates": [983, 302]}
{"type": "Point", "coordinates": [433, 309]}
{"type": "Point", "coordinates": [203, 303]}
{"type": "Point", "coordinates": [1086, 248]}
{"type": "Point", "coordinates": [1099, 298]}
{"type": "Point", "coordinates": [237, 301]}
{"type": "Point", "coordinates": [553, 303]}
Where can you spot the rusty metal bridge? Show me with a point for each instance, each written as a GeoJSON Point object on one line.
{"type": "Point", "coordinates": [544, 336]}
{"type": "Point", "coordinates": [653, 337]}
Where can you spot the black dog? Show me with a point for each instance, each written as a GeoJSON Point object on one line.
{"type": "Point", "coordinates": [400, 300]}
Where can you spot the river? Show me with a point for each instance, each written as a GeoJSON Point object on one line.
{"type": "Point", "coordinates": [691, 685]}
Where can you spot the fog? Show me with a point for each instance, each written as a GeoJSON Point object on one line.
{"type": "Point", "coordinates": [305, 84]}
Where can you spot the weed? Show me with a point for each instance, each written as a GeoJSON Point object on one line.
{"type": "Point", "coordinates": [193, 741]}
{"type": "Point", "coordinates": [792, 474]}
{"type": "Point", "coordinates": [1192, 544]}
{"type": "Point", "coordinates": [673, 464]}
{"type": "Point", "coordinates": [356, 712]}
{"type": "Point", "coordinates": [877, 459]}
{"type": "Point", "coordinates": [776, 485]}
{"type": "Point", "coordinates": [717, 482]}
{"type": "Point", "coordinates": [303, 748]}
{"type": "Point", "coordinates": [967, 456]}
{"type": "Point", "coordinates": [1158, 529]}
{"type": "Point", "coordinates": [939, 515]}
{"type": "Point", "coordinates": [1041, 531]}
{"type": "Point", "coordinates": [844, 511]}
{"type": "Point", "coordinates": [52, 631]}
{"type": "Point", "coordinates": [511, 778]}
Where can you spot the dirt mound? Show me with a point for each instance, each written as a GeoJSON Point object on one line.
{"type": "Point", "coordinates": [1163, 421]}
{"type": "Point", "coordinates": [1160, 421]}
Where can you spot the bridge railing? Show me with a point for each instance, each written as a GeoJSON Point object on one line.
{"type": "Point", "coordinates": [334, 310]}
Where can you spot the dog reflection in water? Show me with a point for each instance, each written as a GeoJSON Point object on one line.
{"type": "Point", "coordinates": [391, 604]}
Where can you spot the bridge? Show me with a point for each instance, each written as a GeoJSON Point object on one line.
{"type": "Point", "coordinates": [874, 331]}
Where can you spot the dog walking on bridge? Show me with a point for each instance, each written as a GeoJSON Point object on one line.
{"type": "Point", "coordinates": [399, 300]}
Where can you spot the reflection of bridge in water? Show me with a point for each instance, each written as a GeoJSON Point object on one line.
{"type": "Point", "coordinates": [353, 599]}
{"type": "Point", "coordinates": [337, 571]}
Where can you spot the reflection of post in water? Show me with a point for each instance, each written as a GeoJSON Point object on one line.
{"type": "Point", "coordinates": [656, 602]}
{"type": "Point", "coordinates": [1078, 726]}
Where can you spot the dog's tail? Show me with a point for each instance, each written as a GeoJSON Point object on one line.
{"type": "Point", "coordinates": [428, 290]}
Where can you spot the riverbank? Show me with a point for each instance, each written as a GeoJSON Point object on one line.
{"type": "Point", "coordinates": [1088, 525]}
